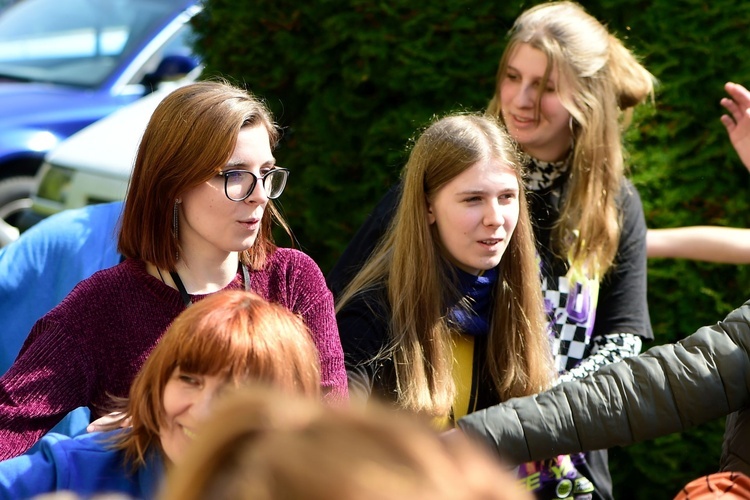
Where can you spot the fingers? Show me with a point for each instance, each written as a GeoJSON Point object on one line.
{"type": "Point", "coordinates": [732, 107]}
{"type": "Point", "coordinates": [739, 94]}
{"type": "Point", "coordinates": [93, 427]}
{"type": "Point", "coordinates": [728, 122]}
{"type": "Point", "coordinates": [107, 422]}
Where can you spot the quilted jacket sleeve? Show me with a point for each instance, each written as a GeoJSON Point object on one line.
{"type": "Point", "coordinates": [667, 389]}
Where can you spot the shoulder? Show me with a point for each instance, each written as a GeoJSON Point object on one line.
{"type": "Point", "coordinates": [70, 232]}
{"type": "Point", "coordinates": [629, 204]}
{"type": "Point", "coordinates": [293, 262]}
{"type": "Point", "coordinates": [124, 283]}
{"type": "Point", "coordinates": [293, 279]}
{"type": "Point", "coordinates": [629, 200]}
{"type": "Point", "coordinates": [367, 310]}
{"type": "Point", "coordinates": [93, 442]}
{"type": "Point", "coordinates": [129, 271]}
{"type": "Point", "coordinates": [101, 212]}
{"type": "Point", "coordinates": [77, 223]}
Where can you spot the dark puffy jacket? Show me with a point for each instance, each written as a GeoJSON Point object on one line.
{"type": "Point", "coordinates": [666, 389]}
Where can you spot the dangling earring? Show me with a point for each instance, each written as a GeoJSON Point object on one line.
{"type": "Point", "coordinates": [175, 220]}
{"type": "Point", "coordinates": [175, 227]}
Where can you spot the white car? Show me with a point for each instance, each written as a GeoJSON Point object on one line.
{"type": "Point", "coordinates": [94, 164]}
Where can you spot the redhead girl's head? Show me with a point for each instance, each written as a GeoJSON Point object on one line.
{"type": "Point", "coordinates": [235, 335]}
{"type": "Point", "coordinates": [188, 140]}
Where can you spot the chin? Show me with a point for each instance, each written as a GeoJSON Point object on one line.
{"type": "Point", "coordinates": [247, 244]}
{"type": "Point", "coordinates": [486, 266]}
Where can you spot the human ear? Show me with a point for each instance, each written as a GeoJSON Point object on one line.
{"type": "Point", "coordinates": [430, 215]}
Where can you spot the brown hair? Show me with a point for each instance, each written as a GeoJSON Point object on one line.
{"type": "Point", "coordinates": [262, 447]}
{"type": "Point", "coordinates": [408, 261]}
{"type": "Point", "coordinates": [233, 332]}
{"type": "Point", "coordinates": [189, 138]}
{"type": "Point", "coordinates": [605, 80]}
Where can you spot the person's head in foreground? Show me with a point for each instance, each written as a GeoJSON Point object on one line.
{"type": "Point", "coordinates": [721, 485]}
{"type": "Point", "coordinates": [225, 340]}
{"type": "Point", "coordinates": [262, 445]}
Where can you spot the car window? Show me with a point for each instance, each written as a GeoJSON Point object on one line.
{"type": "Point", "coordinates": [180, 44]}
{"type": "Point", "coordinates": [76, 42]}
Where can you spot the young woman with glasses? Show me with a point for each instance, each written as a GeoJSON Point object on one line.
{"type": "Point", "coordinates": [197, 220]}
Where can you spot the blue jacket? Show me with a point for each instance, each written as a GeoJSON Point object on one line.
{"type": "Point", "coordinates": [43, 266]}
{"type": "Point", "coordinates": [84, 465]}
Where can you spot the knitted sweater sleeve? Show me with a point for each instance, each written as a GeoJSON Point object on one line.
{"type": "Point", "coordinates": [50, 377]}
{"type": "Point", "coordinates": [667, 389]}
{"type": "Point", "coordinates": [308, 296]}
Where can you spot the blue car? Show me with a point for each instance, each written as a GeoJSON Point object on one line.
{"type": "Point", "coordinates": [66, 64]}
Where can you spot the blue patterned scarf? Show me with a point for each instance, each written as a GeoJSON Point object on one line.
{"type": "Point", "coordinates": [471, 314]}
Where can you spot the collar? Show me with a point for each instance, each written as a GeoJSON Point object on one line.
{"type": "Point", "coordinates": [543, 174]}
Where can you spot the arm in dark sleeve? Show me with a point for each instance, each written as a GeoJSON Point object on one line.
{"type": "Point", "coordinates": [364, 334]}
{"type": "Point", "coordinates": [622, 305]}
{"type": "Point", "coordinates": [667, 389]}
{"type": "Point", "coordinates": [364, 241]}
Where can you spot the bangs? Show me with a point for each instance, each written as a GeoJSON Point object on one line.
{"type": "Point", "coordinates": [241, 347]}
{"type": "Point", "coordinates": [221, 352]}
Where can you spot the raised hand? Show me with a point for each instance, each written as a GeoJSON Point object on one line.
{"type": "Point", "coordinates": [737, 122]}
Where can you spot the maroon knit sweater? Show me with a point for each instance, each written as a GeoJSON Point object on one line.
{"type": "Point", "coordinates": [94, 342]}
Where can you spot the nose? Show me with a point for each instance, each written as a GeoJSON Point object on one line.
{"type": "Point", "coordinates": [258, 195]}
{"type": "Point", "coordinates": [525, 96]}
{"type": "Point", "coordinates": [493, 216]}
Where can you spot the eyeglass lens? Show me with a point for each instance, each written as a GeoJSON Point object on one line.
{"type": "Point", "coordinates": [240, 184]}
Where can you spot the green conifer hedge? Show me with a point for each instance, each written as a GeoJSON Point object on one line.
{"type": "Point", "coordinates": [352, 81]}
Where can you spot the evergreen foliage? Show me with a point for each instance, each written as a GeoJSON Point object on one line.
{"type": "Point", "coordinates": [352, 81]}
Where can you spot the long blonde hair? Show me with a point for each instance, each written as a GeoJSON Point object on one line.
{"type": "Point", "coordinates": [605, 82]}
{"type": "Point", "coordinates": [409, 262]}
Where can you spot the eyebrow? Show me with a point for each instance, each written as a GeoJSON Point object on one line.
{"type": "Point", "coordinates": [550, 79]}
{"type": "Point", "coordinates": [484, 191]}
{"type": "Point", "coordinates": [238, 163]}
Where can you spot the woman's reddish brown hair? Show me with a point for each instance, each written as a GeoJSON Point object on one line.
{"type": "Point", "coordinates": [189, 138]}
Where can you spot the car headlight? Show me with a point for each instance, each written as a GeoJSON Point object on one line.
{"type": "Point", "coordinates": [54, 183]}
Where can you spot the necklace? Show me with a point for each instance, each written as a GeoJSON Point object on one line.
{"type": "Point", "coordinates": [186, 296]}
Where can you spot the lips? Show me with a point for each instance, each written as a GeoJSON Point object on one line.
{"type": "Point", "coordinates": [521, 121]}
{"type": "Point", "coordinates": [250, 223]}
{"type": "Point", "coordinates": [491, 242]}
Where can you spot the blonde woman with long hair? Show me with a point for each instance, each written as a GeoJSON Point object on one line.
{"type": "Point", "coordinates": [446, 316]}
{"type": "Point", "coordinates": [565, 89]}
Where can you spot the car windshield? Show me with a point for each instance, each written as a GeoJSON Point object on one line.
{"type": "Point", "coordinates": [76, 42]}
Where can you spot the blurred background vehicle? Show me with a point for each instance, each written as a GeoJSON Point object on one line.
{"type": "Point", "coordinates": [65, 65]}
{"type": "Point", "coordinates": [93, 165]}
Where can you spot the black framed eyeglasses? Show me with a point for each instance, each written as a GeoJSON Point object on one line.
{"type": "Point", "coordinates": [239, 184]}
